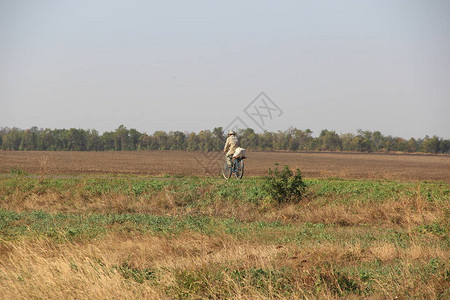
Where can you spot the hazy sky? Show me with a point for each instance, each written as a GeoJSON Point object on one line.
{"type": "Point", "coordinates": [193, 65]}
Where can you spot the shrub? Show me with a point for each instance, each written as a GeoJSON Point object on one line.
{"type": "Point", "coordinates": [285, 186]}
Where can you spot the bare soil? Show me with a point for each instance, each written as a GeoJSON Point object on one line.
{"type": "Point", "coordinates": [160, 163]}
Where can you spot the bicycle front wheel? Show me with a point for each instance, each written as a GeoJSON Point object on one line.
{"type": "Point", "coordinates": [239, 168]}
{"type": "Point", "coordinates": [226, 170]}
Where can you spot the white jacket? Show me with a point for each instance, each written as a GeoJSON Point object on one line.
{"type": "Point", "coordinates": [231, 144]}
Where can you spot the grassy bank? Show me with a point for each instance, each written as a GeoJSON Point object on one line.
{"type": "Point", "coordinates": [192, 237]}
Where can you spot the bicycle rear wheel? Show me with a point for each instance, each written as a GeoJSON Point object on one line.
{"type": "Point", "coordinates": [239, 169]}
{"type": "Point", "coordinates": [226, 170]}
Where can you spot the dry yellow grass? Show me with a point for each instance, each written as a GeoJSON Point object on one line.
{"type": "Point", "coordinates": [406, 212]}
{"type": "Point", "coordinates": [153, 239]}
{"type": "Point", "coordinates": [43, 269]}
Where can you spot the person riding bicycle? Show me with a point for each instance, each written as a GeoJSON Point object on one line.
{"type": "Point", "coordinates": [230, 146]}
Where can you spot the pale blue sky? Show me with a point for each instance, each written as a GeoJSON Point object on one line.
{"type": "Point", "coordinates": [193, 65]}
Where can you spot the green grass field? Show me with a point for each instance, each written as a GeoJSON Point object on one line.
{"type": "Point", "coordinates": [198, 237]}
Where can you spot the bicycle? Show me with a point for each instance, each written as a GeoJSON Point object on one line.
{"type": "Point", "coordinates": [237, 167]}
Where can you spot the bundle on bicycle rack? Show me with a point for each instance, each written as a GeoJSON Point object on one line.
{"type": "Point", "coordinates": [237, 164]}
{"type": "Point", "coordinates": [239, 153]}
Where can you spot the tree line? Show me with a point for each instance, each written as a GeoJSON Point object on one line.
{"type": "Point", "coordinates": [293, 139]}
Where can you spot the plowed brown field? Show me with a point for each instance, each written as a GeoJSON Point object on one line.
{"type": "Point", "coordinates": [343, 165]}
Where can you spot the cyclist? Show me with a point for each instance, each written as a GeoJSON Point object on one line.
{"type": "Point", "coordinates": [230, 146]}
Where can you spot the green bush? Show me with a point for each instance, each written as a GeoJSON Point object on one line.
{"type": "Point", "coordinates": [285, 186]}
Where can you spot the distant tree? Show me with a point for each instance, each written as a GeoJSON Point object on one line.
{"type": "Point", "coordinates": [46, 140]}
{"type": "Point", "coordinates": [430, 145]}
{"type": "Point", "coordinates": [308, 140]}
{"type": "Point", "coordinates": [248, 138]}
{"type": "Point", "coordinates": [389, 143]}
{"type": "Point", "coordinates": [144, 142]}
{"type": "Point", "coordinates": [121, 139]}
{"type": "Point", "coordinates": [77, 139]}
{"type": "Point", "coordinates": [300, 140]}
{"type": "Point", "coordinates": [219, 136]}
{"type": "Point", "coordinates": [94, 142]}
{"type": "Point", "coordinates": [133, 139]}
{"type": "Point", "coordinates": [12, 139]}
{"type": "Point", "coordinates": [108, 141]}
{"type": "Point", "coordinates": [329, 140]}
{"type": "Point", "coordinates": [294, 141]}
{"type": "Point", "coordinates": [159, 141]}
{"type": "Point", "coordinates": [364, 141]}
{"type": "Point", "coordinates": [266, 141]}
{"type": "Point", "coordinates": [291, 139]}
{"type": "Point", "coordinates": [176, 140]}
{"type": "Point", "coordinates": [281, 140]}
{"type": "Point", "coordinates": [205, 139]}
{"type": "Point", "coordinates": [412, 145]}
{"type": "Point", "coordinates": [347, 142]}
{"type": "Point", "coordinates": [444, 146]}
{"type": "Point", "coordinates": [29, 139]}
{"type": "Point", "coordinates": [377, 141]}
{"type": "Point", "coordinates": [192, 142]}
{"type": "Point", "coordinates": [401, 144]}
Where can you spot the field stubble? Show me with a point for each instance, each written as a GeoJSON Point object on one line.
{"type": "Point", "coordinates": [157, 163]}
